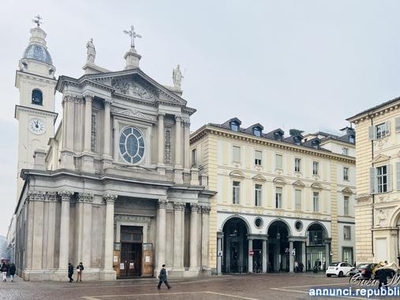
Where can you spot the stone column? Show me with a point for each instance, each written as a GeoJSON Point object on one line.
{"type": "Point", "coordinates": [161, 231]}
{"type": "Point", "coordinates": [78, 224]}
{"type": "Point", "coordinates": [327, 255]}
{"type": "Point", "coordinates": [303, 255]}
{"type": "Point", "coordinates": [109, 232]}
{"type": "Point", "coordinates": [186, 146]}
{"type": "Point", "coordinates": [291, 257]}
{"type": "Point", "coordinates": [64, 229]}
{"type": "Point", "coordinates": [220, 236]}
{"type": "Point", "coordinates": [88, 123]}
{"type": "Point", "coordinates": [36, 201]}
{"type": "Point", "coordinates": [265, 256]}
{"type": "Point", "coordinates": [250, 257]}
{"type": "Point", "coordinates": [107, 127]}
{"type": "Point", "coordinates": [68, 125]}
{"type": "Point", "coordinates": [205, 233]}
{"type": "Point", "coordinates": [178, 151]}
{"type": "Point", "coordinates": [51, 198]}
{"type": "Point", "coordinates": [193, 237]}
{"type": "Point", "coordinates": [87, 230]}
{"type": "Point", "coordinates": [161, 148]}
{"type": "Point", "coordinates": [178, 236]}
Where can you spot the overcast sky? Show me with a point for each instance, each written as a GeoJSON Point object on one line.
{"type": "Point", "coordinates": [307, 65]}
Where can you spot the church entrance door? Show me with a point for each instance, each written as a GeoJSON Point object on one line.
{"type": "Point", "coordinates": [131, 251]}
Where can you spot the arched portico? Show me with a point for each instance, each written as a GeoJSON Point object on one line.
{"type": "Point", "coordinates": [317, 247]}
{"type": "Point", "coordinates": [235, 246]}
{"type": "Point", "coordinates": [278, 247]}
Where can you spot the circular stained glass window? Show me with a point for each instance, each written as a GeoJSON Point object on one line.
{"type": "Point", "coordinates": [131, 145]}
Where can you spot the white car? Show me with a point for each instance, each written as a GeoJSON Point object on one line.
{"type": "Point", "coordinates": [339, 269]}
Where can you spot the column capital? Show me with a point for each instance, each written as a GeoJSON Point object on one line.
{"type": "Point", "coordinates": [72, 98]}
{"type": "Point", "coordinates": [65, 195]}
{"type": "Point", "coordinates": [205, 209]}
{"type": "Point", "coordinates": [161, 114]}
{"type": "Point", "coordinates": [179, 206]}
{"type": "Point", "coordinates": [36, 195]}
{"type": "Point", "coordinates": [194, 207]}
{"type": "Point", "coordinates": [85, 197]}
{"type": "Point", "coordinates": [109, 198]}
{"type": "Point", "coordinates": [162, 203]}
{"type": "Point", "coordinates": [108, 101]}
{"type": "Point", "coordinates": [186, 123]}
{"type": "Point", "coordinates": [88, 96]}
{"type": "Point", "coordinates": [50, 196]}
{"type": "Point", "coordinates": [178, 118]}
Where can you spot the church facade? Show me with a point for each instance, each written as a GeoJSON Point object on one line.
{"type": "Point", "coordinates": [112, 186]}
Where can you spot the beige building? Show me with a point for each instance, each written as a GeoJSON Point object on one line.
{"type": "Point", "coordinates": [378, 182]}
{"type": "Point", "coordinates": [279, 199]}
{"type": "Point", "coordinates": [112, 186]}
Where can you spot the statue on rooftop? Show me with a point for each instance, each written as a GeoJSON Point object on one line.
{"type": "Point", "coordinates": [91, 51]}
{"type": "Point", "coordinates": [177, 77]}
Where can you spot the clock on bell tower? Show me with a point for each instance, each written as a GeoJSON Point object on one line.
{"type": "Point", "coordinates": [36, 109]}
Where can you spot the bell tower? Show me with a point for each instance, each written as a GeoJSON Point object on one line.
{"type": "Point", "coordinates": [36, 109]}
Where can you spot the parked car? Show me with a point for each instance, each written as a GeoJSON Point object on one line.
{"type": "Point", "coordinates": [339, 269]}
{"type": "Point", "coordinates": [364, 269]}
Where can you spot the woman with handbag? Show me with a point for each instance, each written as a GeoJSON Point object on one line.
{"type": "Point", "coordinates": [79, 270]}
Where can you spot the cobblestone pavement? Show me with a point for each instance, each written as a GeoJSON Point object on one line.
{"type": "Point", "coordinates": [226, 287]}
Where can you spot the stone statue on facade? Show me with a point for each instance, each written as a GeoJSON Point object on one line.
{"type": "Point", "coordinates": [91, 51]}
{"type": "Point", "coordinates": [177, 77]}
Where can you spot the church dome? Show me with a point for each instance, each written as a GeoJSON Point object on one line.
{"type": "Point", "coordinates": [38, 52]}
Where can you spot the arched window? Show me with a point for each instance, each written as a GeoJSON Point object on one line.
{"type": "Point", "coordinates": [37, 97]}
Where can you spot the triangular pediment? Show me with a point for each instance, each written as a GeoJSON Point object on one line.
{"type": "Point", "coordinates": [134, 83]}
{"type": "Point", "coordinates": [381, 158]}
{"type": "Point", "coordinates": [259, 177]}
{"type": "Point", "coordinates": [298, 183]}
{"type": "Point", "coordinates": [347, 191]}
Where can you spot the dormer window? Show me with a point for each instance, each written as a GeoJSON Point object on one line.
{"type": "Point", "coordinates": [37, 97]}
{"type": "Point", "coordinates": [352, 139]}
{"type": "Point", "coordinates": [257, 131]}
{"type": "Point", "coordinates": [234, 126]}
{"type": "Point", "coordinates": [278, 136]}
{"type": "Point", "coordinates": [297, 140]}
{"type": "Point", "coordinates": [315, 144]}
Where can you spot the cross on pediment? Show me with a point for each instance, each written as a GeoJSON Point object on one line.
{"type": "Point", "coordinates": [131, 32]}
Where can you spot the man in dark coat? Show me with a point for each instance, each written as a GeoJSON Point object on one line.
{"type": "Point", "coordinates": [12, 270]}
{"type": "Point", "coordinates": [163, 277]}
{"type": "Point", "coordinates": [382, 277]}
{"type": "Point", "coordinates": [70, 272]}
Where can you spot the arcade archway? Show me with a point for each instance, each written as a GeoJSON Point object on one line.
{"type": "Point", "coordinates": [278, 247]}
{"type": "Point", "coordinates": [235, 247]}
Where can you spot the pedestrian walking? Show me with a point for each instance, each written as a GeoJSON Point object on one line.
{"type": "Point", "coordinates": [79, 270]}
{"type": "Point", "coordinates": [163, 277]}
{"type": "Point", "coordinates": [70, 272]}
{"type": "Point", "coordinates": [4, 270]}
{"type": "Point", "coordinates": [11, 271]}
{"type": "Point", "coordinates": [382, 276]}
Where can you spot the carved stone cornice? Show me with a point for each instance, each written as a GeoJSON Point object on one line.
{"type": "Point", "coordinates": [179, 206]}
{"type": "Point", "coordinates": [85, 197]}
{"type": "Point", "coordinates": [65, 195]}
{"type": "Point", "coordinates": [36, 195]}
{"type": "Point", "coordinates": [109, 198]}
{"type": "Point", "coordinates": [132, 219]}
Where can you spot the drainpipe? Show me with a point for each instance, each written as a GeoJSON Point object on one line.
{"type": "Point", "coordinates": [373, 194]}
